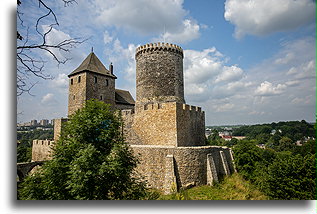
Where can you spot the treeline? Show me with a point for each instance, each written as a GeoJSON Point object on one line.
{"type": "Point", "coordinates": [283, 169]}
{"type": "Point", "coordinates": [295, 130]}
{"type": "Point", "coordinates": [25, 139]}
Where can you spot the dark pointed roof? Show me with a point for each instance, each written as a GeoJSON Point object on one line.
{"type": "Point", "coordinates": [124, 97]}
{"type": "Point", "coordinates": [92, 64]}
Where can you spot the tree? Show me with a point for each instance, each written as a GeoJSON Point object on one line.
{"type": "Point", "coordinates": [247, 156]}
{"type": "Point", "coordinates": [90, 161]}
{"type": "Point", "coordinates": [285, 144]}
{"type": "Point", "coordinates": [31, 44]}
{"type": "Point", "coordinates": [290, 177]}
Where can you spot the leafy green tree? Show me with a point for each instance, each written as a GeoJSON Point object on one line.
{"type": "Point", "coordinates": [90, 161]}
{"type": "Point", "coordinates": [247, 156]}
{"type": "Point", "coordinates": [285, 144]}
{"type": "Point", "coordinates": [290, 177]}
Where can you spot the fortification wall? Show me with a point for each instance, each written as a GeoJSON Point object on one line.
{"type": "Point", "coordinates": [41, 150]}
{"type": "Point", "coordinates": [159, 73]}
{"type": "Point", "coordinates": [129, 134]}
{"type": "Point", "coordinates": [190, 125]}
{"type": "Point", "coordinates": [169, 124]}
{"type": "Point", "coordinates": [58, 123]}
{"type": "Point", "coordinates": [190, 165]}
{"type": "Point", "coordinates": [155, 124]}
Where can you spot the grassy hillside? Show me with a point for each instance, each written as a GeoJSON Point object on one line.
{"type": "Point", "coordinates": [231, 188]}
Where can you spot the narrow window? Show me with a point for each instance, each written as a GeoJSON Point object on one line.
{"type": "Point", "coordinates": [95, 78]}
{"type": "Point", "coordinates": [74, 97]}
{"type": "Point", "coordinates": [100, 97]}
{"type": "Point", "coordinates": [71, 81]}
{"type": "Point", "coordinates": [107, 82]}
{"type": "Point", "coordinates": [79, 77]}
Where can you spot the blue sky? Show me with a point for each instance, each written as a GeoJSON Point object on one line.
{"type": "Point", "coordinates": [245, 62]}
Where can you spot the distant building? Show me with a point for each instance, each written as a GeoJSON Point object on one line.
{"type": "Point", "coordinates": [239, 137]}
{"type": "Point", "coordinates": [44, 122]}
{"type": "Point", "coordinates": [33, 122]}
{"type": "Point", "coordinates": [226, 137]}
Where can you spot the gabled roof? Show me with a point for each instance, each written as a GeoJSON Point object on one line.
{"type": "Point", "coordinates": [124, 97]}
{"type": "Point", "coordinates": [92, 64]}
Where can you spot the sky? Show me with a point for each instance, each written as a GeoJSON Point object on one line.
{"type": "Point", "coordinates": [245, 61]}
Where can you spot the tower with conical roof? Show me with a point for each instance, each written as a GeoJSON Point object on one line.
{"type": "Point", "coordinates": [91, 80]}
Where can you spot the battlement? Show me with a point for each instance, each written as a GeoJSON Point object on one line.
{"type": "Point", "coordinates": [42, 142]}
{"type": "Point", "coordinates": [41, 150]}
{"type": "Point", "coordinates": [157, 47]}
{"type": "Point", "coordinates": [168, 105]}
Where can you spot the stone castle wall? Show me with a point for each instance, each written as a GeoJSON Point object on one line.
{"type": "Point", "coordinates": [169, 124]}
{"type": "Point", "coordinates": [87, 85]}
{"type": "Point", "coordinates": [159, 73]}
{"type": "Point", "coordinates": [103, 89]}
{"type": "Point", "coordinates": [58, 123]}
{"type": "Point", "coordinates": [41, 150]}
{"type": "Point", "coordinates": [191, 166]}
{"type": "Point", "coordinates": [76, 92]}
{"type": "Point", "coordinates": [190, 125]}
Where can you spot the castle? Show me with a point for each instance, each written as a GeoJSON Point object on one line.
{"type": "Point", "coordinates": [164, 132]}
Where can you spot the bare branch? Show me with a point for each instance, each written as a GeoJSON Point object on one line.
{"type": "Point", "coordinates": [27, 62]}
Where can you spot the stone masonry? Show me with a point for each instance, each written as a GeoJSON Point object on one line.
{"type": "Point", "coordinates": [165, 133]}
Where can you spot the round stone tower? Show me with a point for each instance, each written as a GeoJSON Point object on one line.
{"type": "Point", "coordinates": [159, 73]}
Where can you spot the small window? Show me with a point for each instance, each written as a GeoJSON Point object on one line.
{"type": "Point", "coordinates": [95, 79]}
{"type": "Point", "coordinates": [74, 97]}
{"type": "Point", "coordinates": [79, 77]}
{"type": "Point", "coordinates": [100, 97]}
{"type": "Point", "coordinates": [71, 81]}
{"type": "Point", "coordinates": [107, 82]}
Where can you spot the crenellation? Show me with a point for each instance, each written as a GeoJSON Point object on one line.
{"type": "Point", "coordinates": [158, 46]}
{"type": "Point", "coordinates": [41, 149]}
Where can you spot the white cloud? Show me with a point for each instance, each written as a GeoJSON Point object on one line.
{"type": "Point", "coordinates": [229, 74]}
{"type": "Point", "coordinates": [201, 66]}
{"type": "Point", "coordinates": [48, 99]}
{"type": "Point", "coordinates": [224, 107]}
{"type": "Point", "coordinates": [142, 16]}
{"type": "Point", "coordinates": [56, 37]}
{"type": "Point", "coordinates": [207, 76]}
{"type": "Point", "coordinates": [188, 32]}
{"type": "Point", "coordinates": [267, 89]}
{"type": "Point", "coordinates": [61, 81]}
{"type": "Point", "coordinates": [285, 59]}
{"type": "Point", "coordinates": [107, 38]}
{"type": "Point", "coordinates": [268, 16]}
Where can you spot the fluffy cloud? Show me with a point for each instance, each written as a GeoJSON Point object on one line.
{"type": "Point", "coordinates": [267, 89]}
{"type": "Point", "coordinates": [147, 17]}
{"type": "Point", "coordinates": [188, 32]}
{"type": "Point", "coordinates": [48, 99]}
{"type": "Point", "coordinates": [56, 37]}
{"type": "Point", "coordinates": [164, 17]}
{"type": "Point", "coordinates": [268, 16]}
{"type": "Point", "coordinates": [107, 38]}
{"type": "Point", "coordinates": [230, 74]}
{"type": "Point", "coordinates": [207, 76]}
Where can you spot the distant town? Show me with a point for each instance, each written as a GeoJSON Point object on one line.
{"type": "Point", "coordinates": [43, 124]}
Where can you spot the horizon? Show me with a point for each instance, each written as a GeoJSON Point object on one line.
{"type": "Point", "coordinates": [238, 70]}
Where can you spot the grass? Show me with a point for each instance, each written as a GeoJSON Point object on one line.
{"type": "Point", "coordinates": [233, 187]}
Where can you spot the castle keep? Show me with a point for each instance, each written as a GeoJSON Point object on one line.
{"type": "Point", "coordinates": [164, 132]}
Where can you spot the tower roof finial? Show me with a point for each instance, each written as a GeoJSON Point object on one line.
{"type": "Point", "coordinates": [92, 49]}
